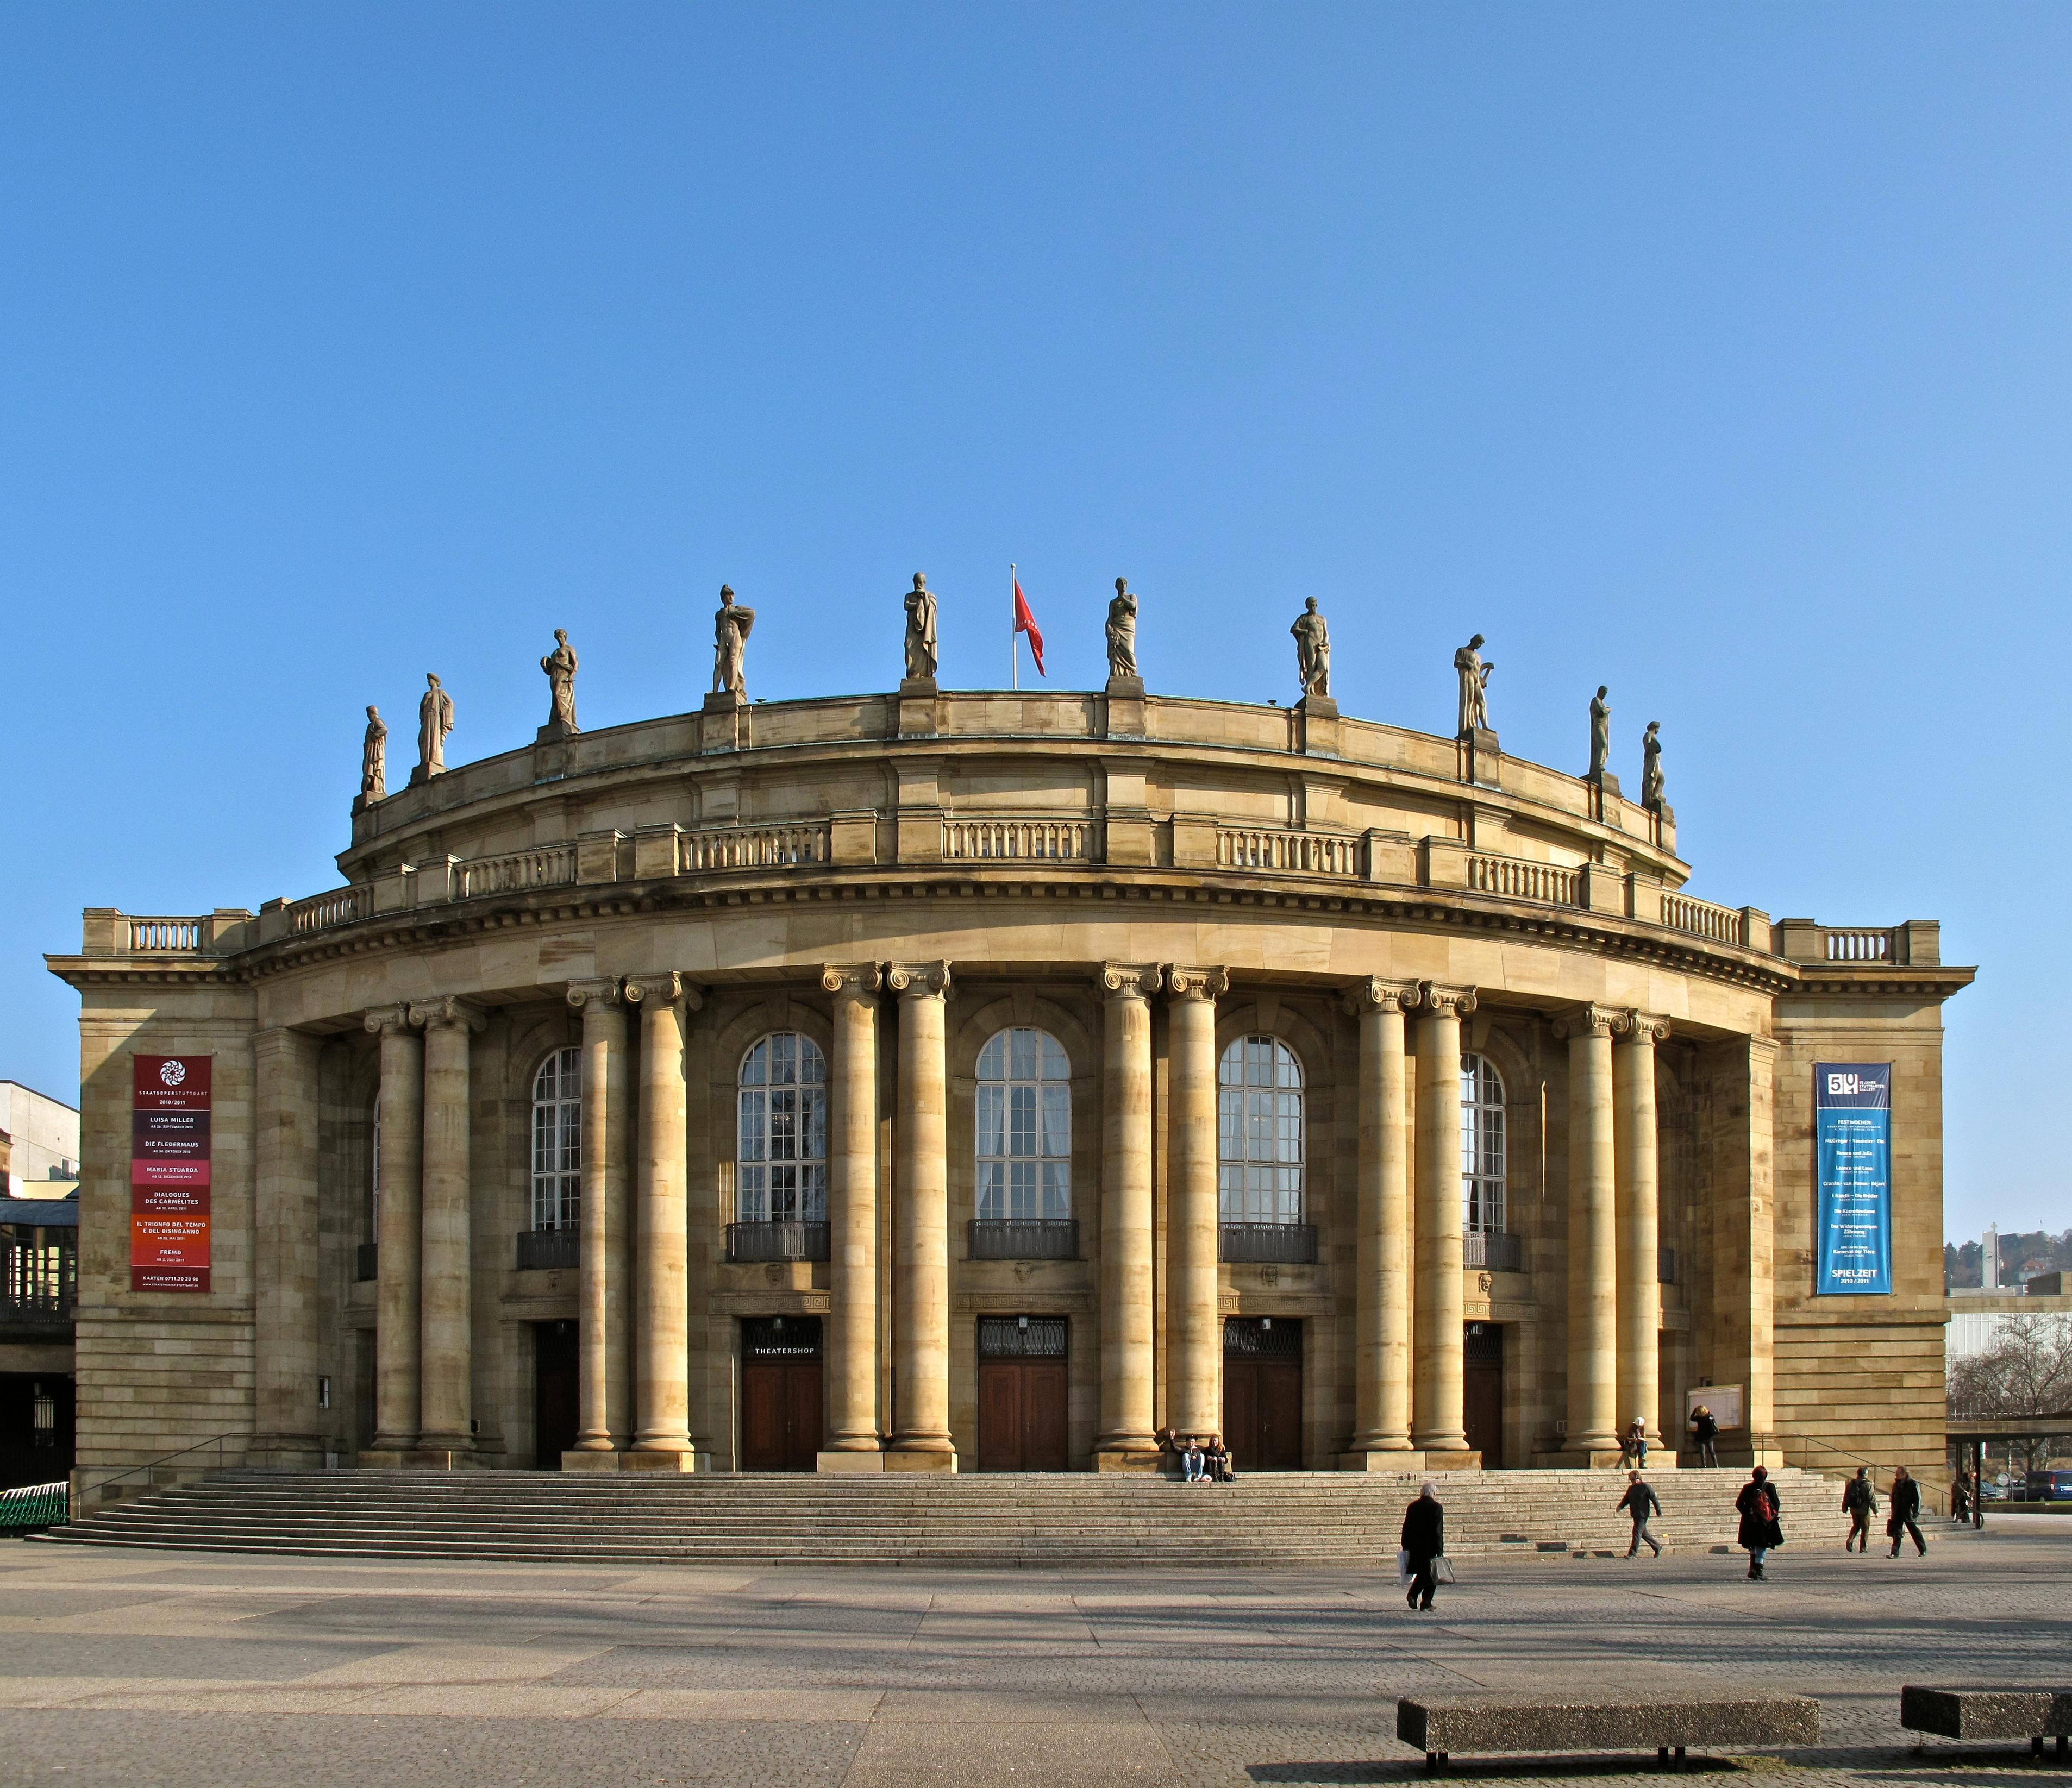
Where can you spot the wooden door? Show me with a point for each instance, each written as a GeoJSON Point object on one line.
{"type": "Point", "coordinates": [1262, 1392]}
{"type": "Point", "coordinates": [1024, 1394]}
{"type": "Point", "coordinates": [554, 1393]}
{"type": "Point", "coordinates": [781, 1392]}
{"type": "Point", "coordinates": [1481, 1391]}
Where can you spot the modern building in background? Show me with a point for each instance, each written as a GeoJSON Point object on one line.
{"type": "Point", "coordinates": [43, 1135]}
{"type": "Point", "coordinates": [970, 1081]}
{"type": "Point", "coordinates": [38, 1270]}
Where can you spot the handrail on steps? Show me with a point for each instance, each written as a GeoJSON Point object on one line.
{"type": "Point", "coordinates": [1929, 1492]}
{"type": "Point", "coordinates": [76, 1497]}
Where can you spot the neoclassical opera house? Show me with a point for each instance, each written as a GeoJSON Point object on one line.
{"type": "Point", "coordinates": [941, 1081]}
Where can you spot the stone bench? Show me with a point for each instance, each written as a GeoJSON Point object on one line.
{"type": "Point", "coordinates": [1439, 1725]}
{"type": "Point", "coordinates": [2034, 1714]}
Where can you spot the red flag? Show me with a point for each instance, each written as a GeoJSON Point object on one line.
{"type": "Point", "coordinates": [1025, 622]}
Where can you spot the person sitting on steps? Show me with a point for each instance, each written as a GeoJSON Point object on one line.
{"type": "Point", "coordinates": [1192, 1459]}
{"type": "Point", "coordinates": [1218, 1458]}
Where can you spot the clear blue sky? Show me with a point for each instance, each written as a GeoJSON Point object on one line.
{"type": "Point", "coordinates": [1721, 355]}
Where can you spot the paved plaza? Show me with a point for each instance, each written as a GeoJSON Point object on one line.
{"type": "Point", "coordinates": [145, 1667]}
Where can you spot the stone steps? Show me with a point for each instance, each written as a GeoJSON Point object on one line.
{"type": "Point", "coordinates": [1068, 1521]}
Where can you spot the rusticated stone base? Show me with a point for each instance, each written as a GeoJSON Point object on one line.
{"type": "Point", "coordinates": [420, 1459]}
{"type": "Point", "coordinates": [601, 1459]}
{"type": "Point", "coordinates": [900, 1459]}
{"type": "Point", "coordinates": [828, 1461]}
{"type": "Point", "coordinates": [1581, 1459]}
{"type": "Point", "coordinates": [1145, 1463]}
{"type": "Point", "coordinates": [1408, 1459]}
{"type": "Point", "coordinates": [1465, 1459]}
{"type": "Point", "coordinates": [658, 1461]}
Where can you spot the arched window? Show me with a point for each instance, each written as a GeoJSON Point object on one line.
{"type": "Point", "coordinates": [557, 1141]}
{"type": "Point", "coordinates": [1259, 1132]}
{"type": "Point", "coordinates": [781, 1158]}
{"type": "Point", "coordinates": [1025, 1128]}
{"type": "Point", "coordinates": [1481, 1146]}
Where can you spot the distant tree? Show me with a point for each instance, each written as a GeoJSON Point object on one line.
{"type": "Point", "coordinates": [2026, 1371]}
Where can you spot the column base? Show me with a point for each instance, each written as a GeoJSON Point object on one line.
{"type": "Point", "coordinates": [1452, 1459]}
{"type": "Point", "coordinates": [912, 1459]}
{"type": "Point", "coordinates": [418, 1458]}
{"type": "Point", "coordinates": [592, 1459]}
{"type": "Point", "coordinates": [1581, 1459]}
{"type": "Point", "coordinates": [641, 1461]}
{"type": "Point", "coordinates": [1399, 1459]}
{"type": "Point", "coordinates": [1139, 1462]}
{"type": "Point", "coordinates": [857, 1460]}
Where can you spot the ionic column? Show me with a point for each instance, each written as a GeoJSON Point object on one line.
{"type": "Point", "coordinates": [662, 1422]}
{"type": "Point", "coordinates": [285, 1197]}
{"type": "Point", "coordinates": [1593, 1418]}
{"type": "Point", "coordinates": [1126, 1327]}
{"type": "Point", "coordinates": [1438, 1422]}
{"type": "Point", "coordinates": [852, 1371]}
{"type": "Point", "coordinates": [1381, 1253]}
{"type": "Point", "coordinates": [397, 1314]}
{"type": "Point", "coordinates": [922, 1224]}
{"type": "Point", "coordinates": [445, 1267]}
{"type": "Point", "coordinates": [1194, 1333]}
{"type": "Point", "coordinates": [1639, 1223]}
{"type": "Point", "coordinates": [605, 1390]}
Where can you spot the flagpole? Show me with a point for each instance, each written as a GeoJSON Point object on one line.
{"type": "Point", "coordinates": [1014, 636]}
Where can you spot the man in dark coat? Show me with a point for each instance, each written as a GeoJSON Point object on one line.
{"type": "Point", "coordinates": [1759, 1511]}
{"type": "Point", "coordinates": [1425, 1539]}
{"type": "Point", "coordinates": [1704, 1430]}
{"type": "Point", "coordinates": [1640, 1502]}
{"type": "Point", "coordinates": [1906, 1516]}
{"type": "Point", "coordinates": [1858, 1502]}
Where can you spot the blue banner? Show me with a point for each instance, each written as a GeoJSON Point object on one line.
{"type": "Point", "coordinates": [1853, 1141]}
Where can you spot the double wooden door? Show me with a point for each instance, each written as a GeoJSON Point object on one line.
{"type": "Point", "coordinates": [1262, 1392]}
{"type": "Point", "coordinates": [555, 1416]}
{"type": "Point", "coordinates": [1481, 1391]}
{"type": "Point", "coordinates": [781, 1422]}
{"type": "Point", "coordinates": [1024, 1394]}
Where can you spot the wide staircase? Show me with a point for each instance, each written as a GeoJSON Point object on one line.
{"type": "Point", "coordinates": [1292, 1520]}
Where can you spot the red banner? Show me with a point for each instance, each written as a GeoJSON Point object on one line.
{"type": "Point", "coordinates": [169, 1173]}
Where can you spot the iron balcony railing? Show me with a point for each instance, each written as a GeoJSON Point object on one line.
{"type": "Point", "coordinates": [1255, 1243]}
{"type": "Point", "coordinates": [1025, 1239]}
{"type": "Point", "coordinates": [778, 1241]}
{"type": "Point", "coordinates": [548, 1248]}
{"type": "Point", "coordinates": [367, 1262]}
{"type": "Point", "coordinates": [1493, 1251]}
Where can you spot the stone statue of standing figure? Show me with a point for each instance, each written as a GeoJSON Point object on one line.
{"type": "Point", "coordinates": [1312, 651]}
{"type": "Point", "coordinates": [1122, 634]}
{"type": "Point", "coordinates": [435, 720]}
{"type": "Point", "coordinates": [1600, 733]}
{"type": "Point", "coordinates": [560, 665]}
{"type": "Point", "coordinates": [1651, 767]}
{"type": "Point", "coordinates": [1474, 677]}
{"type": "Point", "coordinates": [730, 630]}
{"type": "Point", "coordinates": [374, 760]}
{"type": "Point", "coordinates": [920, 632]}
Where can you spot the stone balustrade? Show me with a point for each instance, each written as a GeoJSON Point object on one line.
{"type": "Point", "coordinates": [1038, 839]}
{"type": "Point", "coordinates": [751, 847]}
{"type": "Point", "coordinates": [1286, 852]}
{"type": "Point", "coordinates": [339, 907]}
{"type": "Point", "coordinates": [1701, 919]}
{"type": "Point", "coordinates": [550, 866]}
{"type": "Point", "coordinates": [1517, 878]}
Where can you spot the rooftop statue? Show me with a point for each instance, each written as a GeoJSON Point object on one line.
{"type": "Point", "coordinates": [1122, 632]}
{"type": "Point", "coordinates": [1600, 733]}
{"type": "Point", "coordinates": [920, 632]}
{"type": "Point", "coordinates": [730, 630]}
{"type": "Point", "coordinates": [1651, 767]}
{"type": "Point", "coordinates": [1474, 677]}
{"type": "Point", "coordinates": [435, 720]}
{"type": "Point", "coordinates": [1312, 651]}
{"type": "Point", "coordinates": [374, 759]}
{"type": "Point", "coordinates": [560, 665]}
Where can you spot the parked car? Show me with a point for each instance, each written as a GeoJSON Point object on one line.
{"type": "Point", "coordinates": [2050, 1487]}
{"type": "Point", "coordinates": [1991, 1492]}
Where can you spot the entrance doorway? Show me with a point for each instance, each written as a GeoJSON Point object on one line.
{"type": "Point", "coordinates": [781, 1393]}
{"type": "Point", "coordinates": [1262, 1392]}
{"type": "Point", "coordinates": [1023, 1394]}
{"type": "Point", "coordinates": [554, 1416]}
{"type": "Point", "coordinates": [1481, 1391]}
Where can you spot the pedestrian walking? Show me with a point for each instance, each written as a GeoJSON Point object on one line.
{"type": "Point", "coordinates": [1760, 1532]}
{"type": "Point", "coordinates": [1424, 1543]}
{"type": "Point", "coordinates": [1859, 1503]}
{"type": "Point", "coordinates": [1960, 1496]}
{"type": "Point", "coordinates": [1704, 1430]}
{"type": "Point", "coordinates": [1633, 1446]}
{"type": "Point", "coordinates": [1906, 1516]}
{"type": "Point", "coordinates": [1640, 1501]}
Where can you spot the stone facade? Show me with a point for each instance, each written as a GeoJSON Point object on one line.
{"type": "Point", "coordinates": [897, 880]}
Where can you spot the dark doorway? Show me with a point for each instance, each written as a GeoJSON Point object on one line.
{"type": "Point", "coordinates": [35, 1428]}
{"type": "Point", "coordinates": [363, 1389]}
{"type": "Point", "coordinates": [1024, 1391]}
{"type": "Point", "coordinates": [1481, 1391]}
{"type": "Point", "coordinates": [554, 1401]}
{"type": "Point", "coordinates": [781, 1393]}
{"type": "Point", "coordinates": [1262, 1392]}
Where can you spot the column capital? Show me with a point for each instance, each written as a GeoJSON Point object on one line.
{"type": "Point", "coordinates": [919, 981]}
{"type": "Point", "coordinates": [665, 987]}
{"type": "Point", "coordinates": [852, 980]}
{"type": "Point", "coordinates": [1128, 980]}
{"type": "Point", "coordinates": [1590, 1021]}
{"type": "Point", "coordinates": [1649, 1028]}
{"type": "Point", "coordinates": [594, 992]}
{"type": "Point", "coordinates": [1442, 1001]}
{"type": "Point", "coordinates": [1197, 984]}
{"type": "Point", "coordinates": [447, 1010]}
{"type": "Point", "coordinates": [388, 1020]}
{"type": "Point", "coordinates": [1374, 994]}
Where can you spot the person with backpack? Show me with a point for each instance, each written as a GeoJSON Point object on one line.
{"type": "Point", "coordinates": [1906, 1516]}
{"type": "Point", "coordinates": [1640, 1501]}
{"type": "Point", "coordinates": [1859, 1503]}
{"type": "Point", "coordinates": [1704, 1430]}
{"type": "Point", "coordinates": [1760, 1533]}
